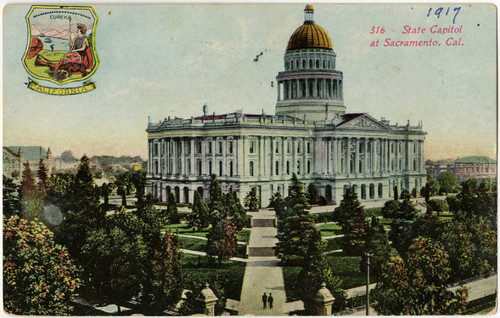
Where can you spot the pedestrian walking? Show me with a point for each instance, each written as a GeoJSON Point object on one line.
{"type": "Point", "coordinates": [264, 301]}
{"type": "Point", "coordinates": [270, 300]}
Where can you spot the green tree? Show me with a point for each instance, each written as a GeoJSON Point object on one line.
{"type": "Point", "coordinates": [172, 212]}
{"type": "Point", "coordinates": [200, 214]}
{"type": "Point", "coordinates": [437, 205]}
{"type": "Point", "coordinates": [43, 176]}
{"type": "Point", "coordinates": [138, 179]}
{"type": "Point", "coordinates": [216, 203]}
{"type": "Point", "coordinates": [377, 244]}
{"type": "Point", "coordinates": [39, 277]}
{"type": "Point", "coordinates": [167, 278]}
{"type": "Point", "coordinates": [350, 216]}
{"type": "Point", "coordinates": [434, 185]}
{"type": "Point", "coordinates": [309, 282]}
{"type": "Point", "coordinates": [221, 240]}
{"type": "Point", "coordinates": [252, 200]}
{"type": "Point", "coordinates": [405, 195]}
{"type": "Point", "coordinates": [278, 204]}
{"type": "Point", "coordinates": [299, 241]}
{"type": "Point", "coordinates": [418, 286]}
{"type": "Point", "coordinates": [27, 183]}
{"type": "Point", "coordinates": [11, 203]}
{"type": "Point", "coordinates": [124, 186]}
{"type": "Point", "coordinates": [312, 193]}
{"type": "Point", "coordinates": [79, 202]}
{"type": "Point", "coordinates": [447, 181]}
{"type": "Point", "coordinates": [191, 306]}
{"type": "Point", "coordinates": [296, 203]}
{"type": "Point", "coordinates": [116, 254]}
{"type": "Point", "coordinates": [106, 189]}
{"type": "Point", "coordinates": [236, 210]}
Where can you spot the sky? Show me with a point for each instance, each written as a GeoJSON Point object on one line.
{"type": "Point", "coordinates": [163, 60]}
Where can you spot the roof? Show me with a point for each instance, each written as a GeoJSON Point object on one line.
{"type": "Point", "coordinates": [30, 152]}
{"type": "Point", "coordinates": [475, 159]}
{"type": "Point", "coordinates": [222, 116]}
{"type": "Point", "coordinates": [348, 117]}
{"type": "Point", "coordinates": [309, 35]}
{"type": "Point", "coordinates": [10, 152]}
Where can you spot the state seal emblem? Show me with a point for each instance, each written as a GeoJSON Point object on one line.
{"type": "Point", "coordinates": [61, 48]}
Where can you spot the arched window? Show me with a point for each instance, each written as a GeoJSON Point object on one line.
{"type": "Point", "coordinates": [177, 194]}
{"type": "Point", "coordinates": [380, 190]}
{"type": "Point", "coordinates": [303, 63]}
{"type": "Point", "coordinates": [310, 63]}
{"type": "Point", "coordinates": [324, 64]}
{"type": "Point", "coordinates": [199, 168]}
{"type": "Point", "coordinates": [317, 63]}
{"type": "Point", "coordinates": [328, 193]}
{"type": "Point", "coordinates": [200, 191]}
{"type": "Point", "coordinates": [372, 191]}
{"type": "Point", "coordinates": [186, 195]}
{"type": "Point", "coordinates": [363, 191]}
{"type": "Point", "coordinates": [297, 63]}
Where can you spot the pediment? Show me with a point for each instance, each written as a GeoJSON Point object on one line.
{"type": "Point", "coordinates": [364, 122]}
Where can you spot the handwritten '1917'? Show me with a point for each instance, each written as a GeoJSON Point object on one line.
{"type": "Point", "coordinates": [438, 12]}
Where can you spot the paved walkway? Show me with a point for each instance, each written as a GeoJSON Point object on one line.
{"type": "Point", "coordinates": [262, 274]}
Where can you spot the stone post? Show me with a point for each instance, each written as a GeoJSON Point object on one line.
{"type": "Point", "coordinates": [323, 301]}
{"type": "Point", "coordinates": [208, 298]}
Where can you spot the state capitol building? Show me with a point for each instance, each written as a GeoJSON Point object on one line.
{"type": "Point", "coordinates": [310, 135]}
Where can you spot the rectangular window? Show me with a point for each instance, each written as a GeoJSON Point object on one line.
{"type": "Point", "coordinates": [288, 147]}
{"type": "Point", "coordinates": [252, 147]}
{"type": "Point", "coordinates": [308, 147]}
{"type": "Point", "coordinates": [198, 145]}
{"type": "Point", "coordinates": [210, 147]}
{"type": "Point", "coordinates": [277, 167]}
{"type": "Point", "coordinates": [230, 147]}
{"type": "Point", "coordinates": [220, 146]}
{"type": "Point", "coordinates": [188, 148]}
{"type": "Point", "coordinates": [277, 147]}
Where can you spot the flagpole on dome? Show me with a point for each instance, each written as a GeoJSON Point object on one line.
{"type": "Point", "coordinates": [309, 13]}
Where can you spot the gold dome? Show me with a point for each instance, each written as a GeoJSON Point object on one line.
{"type": "Point", "coordinates": [309, 36]}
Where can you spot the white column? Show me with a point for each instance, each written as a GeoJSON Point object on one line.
{"type": "Point", "coordinates": [365, 149]}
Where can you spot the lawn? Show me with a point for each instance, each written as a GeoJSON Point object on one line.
{"type": "Point", "coordinates": [345, 267]}
{"type": "Point", "coordinates": [229, 274]}
{"type": "Point", "coordinates": [183, 228]}
{"type": "Point", "coordinates": [333, 244]}
{"type": "Point", "coordinates": [373, 212]}
{"type": "Point", "coordinates": [329, 229]}
{"type": "Point", "coordinates": [199, 245]}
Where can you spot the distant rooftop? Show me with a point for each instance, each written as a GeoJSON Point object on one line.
{"type": "Point", "coordinates": [30, 152]}
{"type": "Point", "coordinates": [475, 159]}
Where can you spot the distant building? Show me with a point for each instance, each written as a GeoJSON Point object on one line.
{"type": "Point", "coordinates": [437, 168]}
{"type": "Point", "coordinates": [475, 167]}
{"type": "Point", "coordinates": [12, 163]}
{"type": "Point", "coordinates": [310, 135]}
{"type": "Point", "coordinates": [30, 154]}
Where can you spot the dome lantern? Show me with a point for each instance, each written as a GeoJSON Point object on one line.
{"type": "Point", "coordinates": [309, 14]}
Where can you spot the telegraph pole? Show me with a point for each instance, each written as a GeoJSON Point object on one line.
{"type": "Point", "coordinates": [368, 284]}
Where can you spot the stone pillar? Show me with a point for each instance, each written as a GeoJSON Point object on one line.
{"type": "Point", "coordinates": [341, 94]}
{"type": "Point", "coordinates": [208, 298]}
{"type": "Point", "coordinates": [183, 157]}
{"type": "Point", "coordinates": [289, 85]}
{"type": "Point", "coordinates": [191, 154]}
{"type": "Point", "coordinates": [299, 91]}
{"type": "Point", "coordinates": [294, 156]}
{"type": "Point", "coordinates": [150, 158]}
{"type": "Point", "coordinates": [307, 87]}
{"type": "Point", "coordinates": [203, 157]}
{"type": "Point", "coordinates": [260, 155]}
{"type": "Point", "coordinates": [365, 161]}
{"type": "Point", "coordinates": [324, 301]}
{"type": "Point", "coordinates": [348, 157]}
{"type": "Point", "coordinates": [326, 144]}
{"type": "Point", "coordinates": [356, 155]}
{"type": "Point", "coordinates": [278, 85]}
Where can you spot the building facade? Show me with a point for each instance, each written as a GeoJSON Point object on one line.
{"type": "Point", "coordinates": [310, 135]}
{"type": "Point", "coordinates": [14, 158]}
{"type": "Point", "coordinates": [479, 167]}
